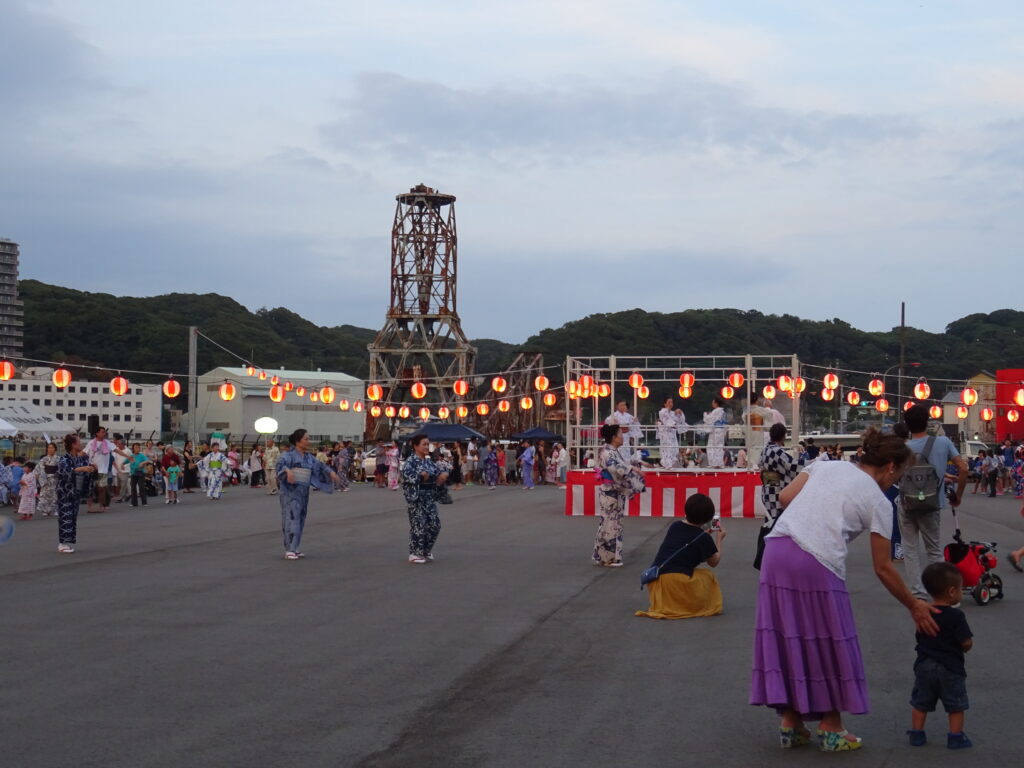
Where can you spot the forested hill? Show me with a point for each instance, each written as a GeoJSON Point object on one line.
{"type": "Point", "coordinates": [151, 334]}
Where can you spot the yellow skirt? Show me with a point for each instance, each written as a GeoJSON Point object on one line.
{"type": "Point", "coordinates": [678, 596]}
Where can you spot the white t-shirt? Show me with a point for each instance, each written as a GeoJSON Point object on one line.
{"type": "Point", "coordinates": [100, 459]}
{"type": "Point", "coordinates": [838, 503]}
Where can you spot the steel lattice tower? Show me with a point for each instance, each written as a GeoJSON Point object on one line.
{"type": "Point", "coordinates": [422, 339]}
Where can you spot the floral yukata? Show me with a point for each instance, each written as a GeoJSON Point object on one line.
{"type": "Point", "coordinates": [421, 496]}
{"type": "Point", "coordinates": [307, 471]}
{"type": "Point", "coordinates": [71, 488]}
{"type": "Point", "coordinates": [46, 469]}
{"type": "Point", "coordinates": [618, 481]}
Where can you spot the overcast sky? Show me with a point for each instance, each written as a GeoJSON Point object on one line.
{"type": "Point", "coordinates": [826, 159]}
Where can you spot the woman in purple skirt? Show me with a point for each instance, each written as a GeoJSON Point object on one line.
{"type": "Point", "coordinates": [807, 660]}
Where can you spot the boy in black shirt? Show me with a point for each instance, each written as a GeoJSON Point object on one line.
{"type": "Point", "coordinates": [939, 670]}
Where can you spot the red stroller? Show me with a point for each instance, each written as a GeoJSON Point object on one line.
{"type": "Point", "coordinates": [975, 561]}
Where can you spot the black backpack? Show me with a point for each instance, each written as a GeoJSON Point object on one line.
{"type": "Point", "coordinates": [921, 485]}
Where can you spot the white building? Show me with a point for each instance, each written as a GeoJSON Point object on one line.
{"type": "Point", "coordinates": [236, 418]}
{"type": "Point", "coordinates": [136, 414]}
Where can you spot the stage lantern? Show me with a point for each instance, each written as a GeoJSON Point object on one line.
{"type": "Point", "coordinates": [390, 411]}
{"type": "Point", "coordinates": [831, 381]}
{"type": "Point", "coordinates": [374, 392]}
{"type": "Point", "coordinates": [358, 406]}
{"type": "Point", "coordinates": [274, 381]}
{"type": "Point", "coordinates": [526, 403]}
{"type": "Point", "coordinates": [636, 380]}
{"type": "Point", "coordinates": [1013, 415]}
{"type": "Point", "coordinates": [171, 388]}
{"type": "Point", "coordinates": [785, 383]}
{"type": "Point", "coordinates": [61, 378]}
{"type": "Point", "coordinates": [250, 371]}
{"type": "Point", "coordinates": [987, 414]}
{"type": "Point", "coordinates": [1018, 397]}
{"type": "Point", "coordinates": [550, 398]}
{"type": "Point", "coordinates": [7, 370]}
{"type": "Point", "coordinates": [769, 392]}
{"type": "Point", "coordinates": [727, 392]}
{"type": "Point", "coordinates": [462, 411]}
{"type": "Point", "coordinates": [119, 386]}
{"type": "Point", "coordinates": [227, 391]}
{"type": "Point", "coordinates": [460, 387]}
{"type": "Point", "coordinates": [343, 405]}
{"type": "Point", "coordinates": [443, 412]}
{"type": "Point", "coordinates": [921, 390]}
{"type": "Point", "coordinates": [418, 390]}
{"type": "Point", "coordinates": [961, 412]}
{"type": "Point", "coordinates": [935, 411]}
{"type": "Point", "coordinates": [644, 392]}
{"type": "Point", "coordinates": [828, 394]}
{"type": "Point", "coordinates": [736, 380]}
{"type": "Point", "coordinates": [263, 376]}
{"type": "Point", "coordinates": [498, 384]}
{"type": "Point", "coordinates": [876, 387]}
{"type": "Point", "coordinates": [853, 397]}
{"type": "Point", "coordinates": [375, 411]}
{"type": "Point", "coordinates": [881, 405]}
{"type": "Point", "coordinates": [403, 412]}
{"type": "Point", "coordinates": [424, 413]}
{"type": "Point", "coordinates": [314, 396]}
{"type": "Point", "coordinates": [327, 394]}
{"type": "Point", "coordinates": [541, 383]}
{"type": "Point", "coordinates": [604, 390]}
{"type": "Point", "coordinates": [277, 394]}
{"type": "Point", "coordinates": [288, 386]}
{"type": "Point", "coordinates": [908, 405]}
{"type": "Point", "coordinates": [300, 391]}
{"type": "Point", "coordinates": [969, 396]}
{"type": "Point", "coordinates": [483, 409]}
{"type": "Point", "coordinates": [504, 406]}
{"type": "Point", "coordinates": [685, 392]}
{"type": "Point", "coordinates": [587, 381]}
{"type": "Point", "coordinates": [687, 380]}
{"type": "Point", "coordinates": [573, 388]}
{"type": "Point", "coordinates": [799, 384]}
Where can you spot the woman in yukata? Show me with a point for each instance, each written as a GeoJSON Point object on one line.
{"type": "Point", "coordinates": [717, 424]}
{"type": "Point", "coordinates": [670, 424]}
{"type": "Point", "coordinates": [297, 470]}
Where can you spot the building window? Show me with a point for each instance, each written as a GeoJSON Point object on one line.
{"type": "Point", "coordinates": [117, 417]}
{"type": "Point", "coordinates": [46, 402]}
{"type": "Point", "coordinates": [47, 388]}
{"type": "Point", "coordinates": [35, 401]}
{"type": "Point", "coordinates": [106, 403]}
{"type": "Point", "coordinates": [60, 416]}
{"type": "Point", "coordinates": [81, 417]}
{"type": "Point", "coordinates": [138, 391]}
{"type": "Point", "coordinates": [35, 387]}
{"type": "Point", "coordinates": [95, 404]}
{"type": "Point", "coordinates": [95, 390]}
{"type": "Point", "coordinates": [24, 387]}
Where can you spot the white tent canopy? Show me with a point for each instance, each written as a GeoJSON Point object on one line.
{"type": "Point", "coordinates": [29, 420]}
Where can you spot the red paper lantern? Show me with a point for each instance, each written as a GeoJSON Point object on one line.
{"type": "Point", "coordinates": [460, 387]}
{"type": "Point", "coordinates": [799, 384]}
{"type": "Point", "coordinates": [727, 392]}
{"type": "Point", "coordinates": [587, 381]}
{"type": "Point", "coordinates": [572, 387]}
{"type": "Point", "coordinates": [277, 394]}
{"type": "Point", "coordinates": [375, 411]}
{"type": "Point", "coordinates": [463, 411]}
{"type": "Point", "coordinates": [357, 406]}
{"type": "Point", "coordinates": [390, 411]}
{"type": "Point", "coordinates": [603, 390]}
{"type": "Point", "coordinates": [785, 383]}
{"type": "Point", "coordinates": [935, 412]}
{"type": "Point", "coordinates": [61, 378]}
{"type": "Point", "coordinates": [424, 413]}
{"type": "Point", "coordinates": [736, 380]}
{"type": "Point", "coordinates": [831, 381]}
{"type": "Point", "coordinates": [314, 396]}
{"type": "Point", "coordinates": [961, 412]}
{"type": "Point", "coordinates": [1013, 415]}
{"type": "Point", "coordinates": [171, 388]}
{"type": "Point", "coordinates": [687, 379]}
{"type": "Point", "coordinates": [526, 403]}
{"type": "Point", "coordinates": [227, 391]}
{"type": "Point", "coordinates": [1018, 397]}
{"type": "Point", "coordinates": [504, 406]}
{"type": "Point", "coordinates": [969, 396]}
{"type": "Point", "coordinates": [827, 395]}
{"type": "Point", "coordinates": [263, 376]}
{"type": "Point", "coordinates": [443, 412]}
{"type": "Point", "coordinates": [418, 390]}
{"type": "Point", "coordinates": [853, 397]}
{"type": "Point", "coordinates": [288, 386]}
{"type": "Point", "coordinates": [374, 392]}
{"type": "Point", "coordinates": [685, 392]}
{"type": "Point", "coordinates": [327, 394]}
{"type": "Point", "coordinates": [769, 392]}
{"type": "Point", "coordinates": [876, 387]}
{"type": "Point", "coordinates": [550, 399]}
{"type": "Point", "coordinates": [881, 405]}
{"type": "Point", "coordinates": [644, 392]}
{"type": "Point", "coordinates": [403, 412]}
{"type": "Point", "coordinates": [541, 383]}
{"type": "Point", "coordinates": [118, 386]}
{"type": "Point", "coordinates": [483, 409]}
{"type": "Point", "coordinates": [498, 384]}
{"type": "Point", "coordinates": [343, 405]}
{"type": "Point", "coordinates": [636, 380]}
{"type": "Point", "coordinates": [300, 391]}
{"type": "Point", "coordinates": [987, 414]}
{"type": "Point", "coordinates": [275, 380]}
{"type": "Point", "coordinates": [921, 390]}
{"type": "Point", "coordinates": [250, 370]}
{"type": "Point", "coordinates": [908, 405]}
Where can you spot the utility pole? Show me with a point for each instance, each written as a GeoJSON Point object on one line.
{"type": "Point", "coordinates": [193, 394]}
{"type": "Point", "coordinates": [903, 351]}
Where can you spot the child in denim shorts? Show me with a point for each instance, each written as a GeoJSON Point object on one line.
{"type": "Point", "coordinates": [939, 670]}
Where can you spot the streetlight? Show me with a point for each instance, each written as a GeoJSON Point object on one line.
{"type": "Point", "coordinates": [899, 391]}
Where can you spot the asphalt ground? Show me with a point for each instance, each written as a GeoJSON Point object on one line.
{"type": "Point", "coordinates": [179, 636]}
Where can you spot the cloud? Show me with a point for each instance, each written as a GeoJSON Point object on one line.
{"type": "Point", "coordinates": [680, 111]}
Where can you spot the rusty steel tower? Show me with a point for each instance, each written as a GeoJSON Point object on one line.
{"type": "Point", "coordinates": [422, 339]}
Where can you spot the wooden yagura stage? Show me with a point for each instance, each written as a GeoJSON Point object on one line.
{"type": "Point", "coordinates": [736, 493]}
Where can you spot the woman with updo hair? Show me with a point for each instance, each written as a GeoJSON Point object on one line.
{"type": "Point", "coordinates": [619, 481]}
{"type": "Point", "coordinates": [296, 471]}
{"type": "Point", "coordinates": [807, 660]}
{"type": "Point", "coordinates": [74, 472]}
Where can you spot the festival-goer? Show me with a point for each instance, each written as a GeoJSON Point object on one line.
{"type": "Point", "coordinates": [629, 427]}
{"type": "Point", "coordinates": [488, 460]}
{"type": "Point", "coordinates": [393, 462]}
{"type": "Point", "coordinates": [46, 470]}
{"type": "Point", "coordinates": [102, 453]}
{"type": "Point", "coordinates": [456, 456]}
{"type": "Point", "coordinates": [5, 480]}
{"type": "Point", "coordinates": [717, 425]}
{"type": "Point", "coordinates": [526, 459]}
{"type": "Point", "coordinates": [922, 528]}
{"type": "Point", "coordinates": [29, 488]}
{"type": "Point", "coordinates": [563, 464]}
{"type": "Point", "coordinates": [670, 423]}
{"type": "Point", "coordinates": [618, 482]}
{"type": "Point", "coordinates": [682, 590]}
{"type": "Point", "coordinates": [807, 660]}
{"type": "Point", "coordinates": [551, 468]}
{"type": "Point", "coordinates": [778, 469]}
{"type": "Point", "coordinates": [171, 471]}
{"type": "Point", "coordinates": [74, 471]}
{"type": "Point", "coordinates": [297, 470]}
{"type": "Point", "coordinates": [1016, 556]}
{"type": "Point", "coordinates": [760, 419]}
{"type": "Point", "coordinates": [421, 480]}
{"type": "Point", "coordinates": [256, 472]}
{"type": "Point", "coordinates": [190, 474]}
{"type": "Point", "coordinates": [270, 458]}
{"type": "Point", "coordinates": [137, 468]}
{"type": "Point", "coordinates": [124, 476]}
{"type": "Point", "coordinates": [216, 467]}
{"type": "Point", "coordinates": [502, 459]}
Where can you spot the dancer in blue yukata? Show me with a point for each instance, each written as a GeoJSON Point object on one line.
{"type": "Point", "coordinates": [422, 480]}
{"type": "Point", "coordinates": [297, 470]}
{"type": "Point", "coordinates": [526, 460]}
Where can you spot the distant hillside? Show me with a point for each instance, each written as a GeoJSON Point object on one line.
{"type": "Point", "coordinates": [151, 334]}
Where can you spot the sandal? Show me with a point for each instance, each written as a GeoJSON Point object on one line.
{"type": "Point", "coordinates": [1014, 563]}
{"type": "Point", "coordinates": [838, 741]}
{"type": "Point", "coordinates": [793, 737]}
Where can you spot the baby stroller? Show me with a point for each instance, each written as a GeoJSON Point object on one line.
{"type": "Point", "coordinates": [975, 561]}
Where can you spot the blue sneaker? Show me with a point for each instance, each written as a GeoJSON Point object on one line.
{"type": "Point", "coordinates": [958, 741]}
{"type": "Point", "coordinates": [917, 738]}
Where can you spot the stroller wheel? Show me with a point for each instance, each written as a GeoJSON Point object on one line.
{"type": "Point", "coordinates": [997, 587]}
{"type": "Point", "coordinates": [982, 591]}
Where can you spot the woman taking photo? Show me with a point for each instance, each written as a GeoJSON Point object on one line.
{"type": "Point", "coordinates": [807, 659]}
{"type": "Point", "coordinates": [73, 475]}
